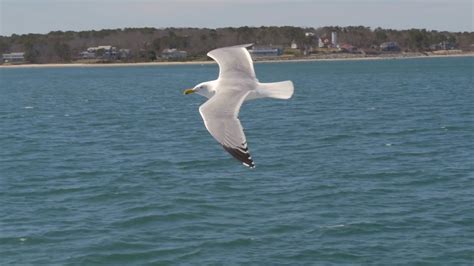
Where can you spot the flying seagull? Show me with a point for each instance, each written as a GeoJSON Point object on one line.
{"type": "Point", "coordinates": [236, 84]}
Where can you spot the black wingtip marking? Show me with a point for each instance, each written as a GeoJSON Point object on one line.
{"type": "Point", "coordinates": [242, 155]}
{"type": "Point", "coordinates": [249, 166]}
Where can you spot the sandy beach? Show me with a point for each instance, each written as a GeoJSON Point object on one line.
{"type": "Point", "coordinates": [325, 57]}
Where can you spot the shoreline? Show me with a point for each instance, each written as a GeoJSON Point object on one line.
{"type": "Point", "coordinates": [345, 57]}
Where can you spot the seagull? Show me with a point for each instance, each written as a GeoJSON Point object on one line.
{"type": "Point", "coordinates": [236, 84]}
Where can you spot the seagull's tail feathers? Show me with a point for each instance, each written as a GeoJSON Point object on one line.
{"type": "Point", "coordinates": [278, 90]}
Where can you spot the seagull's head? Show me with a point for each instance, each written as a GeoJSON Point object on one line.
{"type": "Point", "coordinates": [206, 89]}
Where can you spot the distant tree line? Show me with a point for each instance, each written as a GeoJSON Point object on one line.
{"type": "Point", "coordinates": [146, 44]}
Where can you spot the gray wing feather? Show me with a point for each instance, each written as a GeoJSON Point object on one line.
{"type": "Point", "coordinates": [220, 115]}
{"type": "Point", "coordinates": [234, 62]}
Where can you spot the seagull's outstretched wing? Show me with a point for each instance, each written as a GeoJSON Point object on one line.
{"type": "Point", "coordinates": [234, 62]}
{"type": "Point", "coordinates": [220, 115]}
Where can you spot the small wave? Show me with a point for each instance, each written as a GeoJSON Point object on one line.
{"type": "Point", "coordinates": [190, 254]}
{"type": "Point", "coordinates": [231, 243]}
{"type": "Point", "coordinates": [334, 226]}
{"type": "Point", "coordinates": [114, 258]}
{"type": "Point", "coordinates": [353, 228]}
{"type": "Point", "coordinates": [212, 162]}
{"type": "Point", "coordinates": [28, 107]}
{"type": "Point", "coordinates": [336, 137]}
{"type": "Point", "coordinates": [152, 218]}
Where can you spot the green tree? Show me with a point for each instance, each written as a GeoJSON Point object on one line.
{"type": "Point", "coordinates": [151, 55]}
{"type": "Point", "coordinates": [32, 54]}
{"type": "Point", "coordinates": [380, 35]}
{"type": "Point", "coordinates": [63, 51]}
{"type": "Point", "coordinates": [418, 39]}
{"type": "Point", "coordinates": [245, 34]}
{"type": "Point", "coordinates": [214, 35]}
{"type": "Point", "coordinates": [452, 39]}
{"type": "Point", "coordinates": [4, 46]}
{"type": "Point", "coordinates": [157, 44]}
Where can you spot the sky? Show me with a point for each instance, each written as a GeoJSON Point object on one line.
{"type": "Point", "coordinates": [43, 16]}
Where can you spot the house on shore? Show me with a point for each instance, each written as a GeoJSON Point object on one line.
{"type": "Point", "coordinates": [443, 46]}
{"type": "Point", "coordinates": [322, 42]}
{"type": "Point", "coordinates": [390, 47]}
{"type": "Point", "coordinates": [294, 45]}
{"type": "Point", "coordinates": [264, 51]}
{"type": "Point", "coordinates": [100, 52]}
{"type": "Point", "coordinates": [87, 55]}
{"type": "Point", "coordinates": [123, 54]}
{"type": "Point", "coordinates": [173, 54]}
{"type": "Point", "coordinates": [13, 58]}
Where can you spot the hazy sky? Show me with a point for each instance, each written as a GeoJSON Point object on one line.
{"type": "Point", "coordinates": [42, 16]}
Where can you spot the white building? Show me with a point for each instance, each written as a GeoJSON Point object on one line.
{"type": "Point", "coordinates": [320, 42]}
{"type": "Point", "coordinates": [102, 51]}
{"type": "Point", "coordinates": [13, 57]}
{"type": "Point", "coordinates": [265, 51]}
{"type": "Point", "coordinates": [173, 54]}
{"type": "Point", "coordinates": [101, 47]}
{"type": "Point", "coordinates": [294, 45]}
{"type": "Point", "coordinates": [390, 46]}
{"type": "Point", "coordinates": [334, 38]}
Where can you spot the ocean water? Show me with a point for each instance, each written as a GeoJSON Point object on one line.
{"type": "Point", "coordinates": [371, 162]}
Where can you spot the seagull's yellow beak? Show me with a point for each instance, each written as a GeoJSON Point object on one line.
{"type": "Point", "coordinates": [188, 91]}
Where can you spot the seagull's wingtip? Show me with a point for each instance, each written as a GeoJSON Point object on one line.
{"type": "Point", "coordinates": [251, 165]}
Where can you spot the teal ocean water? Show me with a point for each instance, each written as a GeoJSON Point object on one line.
{"type": "Point", "coordinates": [369, 163]}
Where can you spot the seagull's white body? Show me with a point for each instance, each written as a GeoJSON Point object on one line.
{"type": "Point", "coordinates": [236, 83]}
